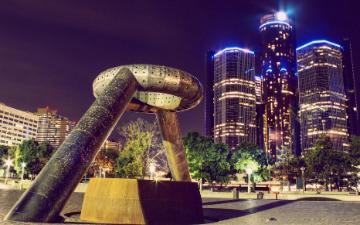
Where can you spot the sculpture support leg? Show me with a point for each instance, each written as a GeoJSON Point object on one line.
{"type": "Point", "coordinates": [173, 145]}
{"type": "Point", "coordinates": [45, 199]}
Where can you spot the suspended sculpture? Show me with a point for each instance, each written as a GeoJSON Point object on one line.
{"type": "Point", "coordinates": [142, 88]}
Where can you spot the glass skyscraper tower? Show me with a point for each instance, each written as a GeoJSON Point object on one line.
{"type": "Point", "coordinates": [278, 69]}
{"type": "Point", "coordinates": [322, 96]}
{"type": "Point", "coordinates": [351, 88]}
{"type": "Point", "coordinates": [234, 96]}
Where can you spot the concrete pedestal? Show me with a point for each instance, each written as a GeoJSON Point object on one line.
{"type": "Point", "coordinates": [131, 201]}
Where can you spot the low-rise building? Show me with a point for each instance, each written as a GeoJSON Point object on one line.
{"type": "Point", "coordinates": [16, 125]}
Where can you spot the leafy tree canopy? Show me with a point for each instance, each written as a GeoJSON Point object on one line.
{"type": "Point", "coordinates": [248, 155]}
{"type": "Point", "coordinates": [326, 165]}
{"type": "Point", "coordinates": [141, 145]}
{"type": "Point", "coordinates": [354, 152]}
{"type": "Point", "coordinates": [207, 161]}
{"type": "Point", "coordinates": [33, 154]}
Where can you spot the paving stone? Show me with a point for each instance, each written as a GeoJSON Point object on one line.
{"type": "Point", "coordinates": [235, 212]}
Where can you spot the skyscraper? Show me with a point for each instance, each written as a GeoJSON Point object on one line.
{"type": "Point", "coordinates": [52, 127]}
{"type": "Point", "coordinates": [351, 88]}
{"type": "Point", "coordinates": [209, 94]}
{"type": "Point", "coordinates": [260, 107]}
{"type": "Point", "coordinates": [322, 96]}
{"type": "Point", "coordinates": [278, 68]}
{"type": "Point", "coordinates": [234, 96]}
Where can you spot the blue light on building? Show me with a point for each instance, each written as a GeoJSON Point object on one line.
{"type": "Point", "coordinates": [318, 42]}
{"type": "Point", "coordinates": [234, 49]}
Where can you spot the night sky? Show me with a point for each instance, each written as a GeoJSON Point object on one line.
{"type": "Point", "coordinates": [50, 51]}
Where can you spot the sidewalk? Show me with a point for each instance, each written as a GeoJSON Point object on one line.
{"type": "Point", "coordinates": [339, 196]}
{"type": "Point", "coordinates": [309, 195]}
{"type": "Point", "coordinates": [232, 212]}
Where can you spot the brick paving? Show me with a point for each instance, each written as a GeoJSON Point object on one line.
{"type": "Point", "coordinates": [231, 212]}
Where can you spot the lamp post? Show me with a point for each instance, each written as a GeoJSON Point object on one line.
{"type": "Point", "coordinates": [23, 165]}
{"type": "Point", "coordinates": [249, 172]}
{"type": "Point", "coordinates": [303, 178]}
{"type": "Point", "coordinates": [8, 164]}
{"type": "Point", "coordinates": [103, 172]}
{"type": "Point", "coordinates": [152, 169]}
{"type": "Point", "coordinates": [106, 171]}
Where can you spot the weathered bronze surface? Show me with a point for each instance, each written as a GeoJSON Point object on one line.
{"type": "Point", "coordinates": [142, 88]}
{"type": "Point", "coordinates": [173, 145]}
{"type": "Point", "coordinates": [47, 196]}
{"type": "Point", "coordinates": [161, 87]}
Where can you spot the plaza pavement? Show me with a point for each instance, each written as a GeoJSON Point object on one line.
{"type": "Point", "coordinates": [226, 211]}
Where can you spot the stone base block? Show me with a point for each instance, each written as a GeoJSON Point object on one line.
{"type": "Point", "coordinates": [131, 201]}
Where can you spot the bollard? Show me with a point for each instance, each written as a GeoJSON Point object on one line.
{"type": "Point", "coordinates": [260, 195]}
{"type": "Point", "coordinates": [276, 195]}
{"type": "Point", "coordinates": [235, 193]}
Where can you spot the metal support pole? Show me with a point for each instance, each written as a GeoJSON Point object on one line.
{"type": "Point", "coordinates": [249, 183]}
{"type": "Point", "coordinates": [22, 175]}
{"type": "Point", "coordinates": [7, 173]}
{"type": "Point", "coordinates": [173, 145]}
{"type": "Point", "coordinates": [47, 196]}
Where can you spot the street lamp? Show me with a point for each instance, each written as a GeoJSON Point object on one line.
{"type": "Point", "coordinates": [249, 172]}
{"type": "Point", "coordinates": [106, 171]}
{"type": "Point", "coordinates": [23, 165]}
{"type": "Point", "coordinates": [103, 172]}
{"type": "Point", "coordinates": [152, 169]}
{"type": "Point", "coordinates": [303, 178]}
{"type": "Point", "coordinates": [8, 164]}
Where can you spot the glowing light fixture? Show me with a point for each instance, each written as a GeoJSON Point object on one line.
{"type": "Point", "coordinates": [8, 162]}
{"type": "Point", "coordinates": [275, 22]}
{"type": "Point", "coordinates": [245, 50]}
{"type": "Point", "coordinates": [318, 42]}
{"type": "Point", "coordinates": [281, 16]}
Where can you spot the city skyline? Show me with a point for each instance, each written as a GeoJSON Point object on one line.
{"type": "Point", "coordinates": [45, 46]}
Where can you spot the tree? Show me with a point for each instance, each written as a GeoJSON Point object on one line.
{"type": "Point", "coordinates": [33, 154]}
{"type": "Point", "coordinates": [354, 156]}
{"type": "Point", "coordinates": [142, 146]}
{"type": "Point", "coordinates": [207, 161]}
{"type": "Point", "coordinates": [325, 165]}
{"type": "Point", "coordinates": [3, 153]}
{"type": "Point", "coordinates": [287, 168]}
{"type": "Point", "coordinates": [354, 151]}
{"type": "Point", "coordinates": [247, 164]}
{"type": "Point", "coordinates": [105, 161]}
{"type": "Point", "coordinates": [246, 151]}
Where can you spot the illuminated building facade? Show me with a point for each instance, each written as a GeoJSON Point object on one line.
{"type": "Point", "coordinates": [209, 94]}
{"type": "Point", "coordinates": [234, 96]}
{"type": "Point", "coordinates": [351, 88]}
{"type": "Point", "coordinates": [53, 127]}
{"type": "Point", "coordinates": [278, 68]}
{"type": "Point", "coordinates": [322, 96]}
{"type": "Point", "coordinates": [260, 107]}
{"type": "Point", "coordinates": [16, 125]}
